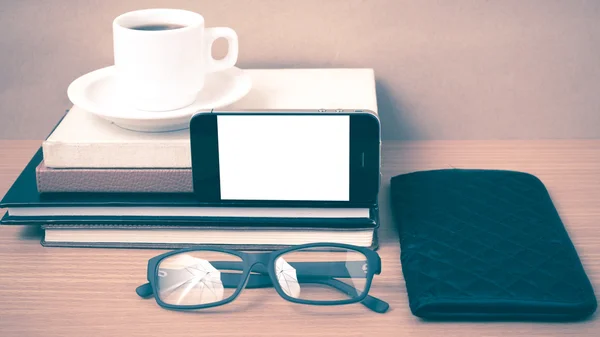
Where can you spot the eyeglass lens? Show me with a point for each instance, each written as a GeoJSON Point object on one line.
{"type": "Point", "coordinates": [198, 277]}
{"type": "Point", "coordinates": [323, 274]}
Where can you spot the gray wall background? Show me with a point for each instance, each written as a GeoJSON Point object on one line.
{"type": "Point", "coordinates": [445, 69]}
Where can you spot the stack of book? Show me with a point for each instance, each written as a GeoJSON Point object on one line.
{"type": "Point", "coordinates": [95, 184]}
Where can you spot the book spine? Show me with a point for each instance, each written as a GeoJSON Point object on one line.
{"type": "Point", "coordinates": [51, 180]}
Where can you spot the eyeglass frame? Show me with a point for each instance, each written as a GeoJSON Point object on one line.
{"type": "Point", "coordinates": [268, 260]}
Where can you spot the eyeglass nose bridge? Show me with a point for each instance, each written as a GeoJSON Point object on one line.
{"type": "Point", "coordinates": [258, 259]}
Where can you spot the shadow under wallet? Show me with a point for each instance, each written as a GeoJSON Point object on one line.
{"type": "Point", "coordinates": [486, 245]}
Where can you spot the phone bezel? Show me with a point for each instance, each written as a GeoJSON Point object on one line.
{"type": "Point", "coordinates": [365, 137]}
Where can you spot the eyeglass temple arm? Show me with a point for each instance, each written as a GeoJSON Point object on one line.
{"type": "Point", "coordinates": [369, 301]}
{"type": "Point", "coordinates": [321, 273]}
{"type": "Point", "coordinates": [330, 268]}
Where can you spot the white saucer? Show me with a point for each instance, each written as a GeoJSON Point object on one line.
{"type": "Point", "coordinates": [96, 92]}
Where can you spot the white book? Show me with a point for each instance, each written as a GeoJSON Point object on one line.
{"type": "Point", "coordinates": [153, 236]}
{"type": "Point", "coordinates": [83, 140]}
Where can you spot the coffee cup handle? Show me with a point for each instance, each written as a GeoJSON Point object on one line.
{"type": "Point", "coordinates": [210, 35]}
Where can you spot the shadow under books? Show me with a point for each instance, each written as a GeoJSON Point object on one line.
{"type": "Point", "coordinates": [31, 232]}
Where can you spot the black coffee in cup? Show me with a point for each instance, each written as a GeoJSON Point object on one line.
{"type": "Point", "coordinates": [150, 74]}
{"type": "Point", "coordinates": [157, 26]}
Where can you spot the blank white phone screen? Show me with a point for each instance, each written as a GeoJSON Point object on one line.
{"type": "Point", "coordinates": [284, 157]}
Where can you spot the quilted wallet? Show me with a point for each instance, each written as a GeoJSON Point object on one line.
{"type": "Point", "coordinates": [486, 244]}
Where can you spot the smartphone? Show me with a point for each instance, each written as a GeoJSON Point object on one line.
{"type": "Point", "coordinates": [286, 157]}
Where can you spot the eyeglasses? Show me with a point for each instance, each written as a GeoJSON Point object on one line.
{"type": "Point", "coordinates": [317, 274]}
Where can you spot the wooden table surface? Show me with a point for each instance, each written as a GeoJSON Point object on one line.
{"type": "Point", "coordinates": [91, 292]}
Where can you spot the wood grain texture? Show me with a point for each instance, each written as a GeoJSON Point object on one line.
{"type": "Point", "coordinates": [90, 292]}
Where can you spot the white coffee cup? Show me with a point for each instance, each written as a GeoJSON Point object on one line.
{"type": "Point", "coordinates": [164, 69]}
